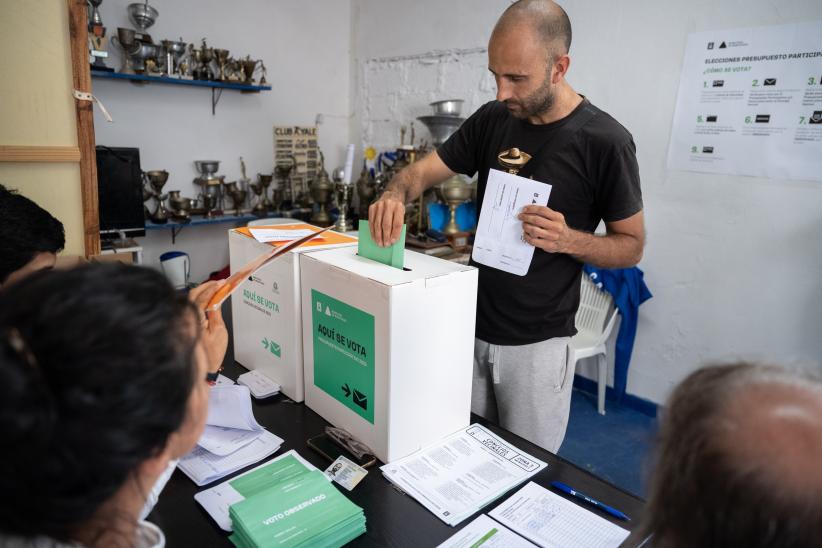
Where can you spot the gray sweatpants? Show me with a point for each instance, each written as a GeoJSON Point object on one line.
{"type": "Point", "coordinates": [525, 389]}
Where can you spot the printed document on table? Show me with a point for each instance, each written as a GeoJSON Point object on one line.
{"type": "Point", "coordinates": [552, 521]}
{"type": "Point", "coordinates": [229, 406]}
{"type": "Point", "coordinates": [217, 499]}
{"type": "Point", "coordinates": [459, 475]}
{"type": "Point", "coordinates": [498, 242]}
{"type": "Point", "coordinates": [224, 441]}
{"type": "Point", "coordinates": [265, 235]}
{"type": "Point", "coordinates": [204, 467]}
{"type": "Point", "coordinates": [487, 533]}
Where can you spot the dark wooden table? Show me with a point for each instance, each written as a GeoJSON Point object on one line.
{"type": "Point", "coordinates": [392, 518]}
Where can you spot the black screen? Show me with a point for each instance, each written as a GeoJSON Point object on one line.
{"type": "Point", "coordinates": [120, 191]}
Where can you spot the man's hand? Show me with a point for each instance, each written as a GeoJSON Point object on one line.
{"type": "Point", "coordinates": [386, 217]}
{"type": "Point", "coordinates": [213, 331]}
{"type": "Point", "coordinates": [545, 228]}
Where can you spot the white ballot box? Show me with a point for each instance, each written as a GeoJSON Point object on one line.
{"type": "Point", "coordinates": [266, 311]}
{"type": "Point", "coordinates": [388, 352]}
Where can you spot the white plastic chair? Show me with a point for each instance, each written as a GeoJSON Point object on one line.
{"type": "Point", "coordinates": [594, 320]}
{"type": "Point", "coordinates": [273, 221]}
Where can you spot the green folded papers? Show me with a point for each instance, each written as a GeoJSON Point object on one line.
{"type": "Point", "coordinates": [288, 505]}
{"type": "Point", "coordinates": [393, 255]}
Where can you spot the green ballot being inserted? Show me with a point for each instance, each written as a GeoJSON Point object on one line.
{"type": "Point", "coordinates": [393, 255]}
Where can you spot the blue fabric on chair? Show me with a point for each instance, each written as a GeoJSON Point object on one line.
{"type": "Point", "coordinates": [628, 289]}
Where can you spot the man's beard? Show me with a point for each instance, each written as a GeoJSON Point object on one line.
{"type": "Point", "coordinates": [535, 104]}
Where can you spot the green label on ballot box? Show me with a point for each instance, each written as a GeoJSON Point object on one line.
{"type": "Point", "coordinates": [344, 353]}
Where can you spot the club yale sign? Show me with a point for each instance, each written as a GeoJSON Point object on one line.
{"type": "Point", "coordinates": [343, 341]}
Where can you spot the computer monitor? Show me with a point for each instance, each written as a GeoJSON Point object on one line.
{"type": "Point", "coordinates": [120, 192]}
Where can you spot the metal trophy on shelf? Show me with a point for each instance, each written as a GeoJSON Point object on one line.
{"type": "Point", "coordinates": [211, 185]}
{"type": "Point", "coordinates": [257, 209]}
{"type": "Point", "coordinates": [222, 62]}
{"type": "Point", "coordinates": [282, 170]}
{"type": "Point", "coordinates": [180, 206]}
{"type": "Point", "coordinates": [342, 195]}
{"type": "Point", "coordinates": [142, 15]}
{"type": "Point", "coordinates": [174, 51]}
{"type": "Point", "coordinates": [202, 59]}
{"type": "Point", "coordinates": [157, 180]}
{"type": "Point", "coordinates": [454, 192]}
{"type": "Point", "coordinates": [248, 66]}
{"type": "Point", "coordinates": [322, 190]}
{"type": "Point", "coordinates": [366, 192]}
{"type": "Point", "coordinates": [128, 44]}
{"type": "Point", "coordinates": [265, 182]}
{"type": "Point", "coordinates": [97, 38]}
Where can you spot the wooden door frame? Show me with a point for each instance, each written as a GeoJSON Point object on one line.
{"type": "Point", "coordinates": [81, 77]}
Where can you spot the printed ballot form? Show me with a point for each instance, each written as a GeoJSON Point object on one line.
{"type": "Point", "coordinates": [487, 533]}
{"type": "Point", "coordinates": [499, 242]}
{"type": "Point", "coordinates": [457, 476]}
{"type": "Point", "coordinates": [551, 521]}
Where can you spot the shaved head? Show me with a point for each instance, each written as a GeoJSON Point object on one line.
{"type": "Point", "coordinates": [547, 19]}
{"type": "Point", "coordinates": [739, 457]}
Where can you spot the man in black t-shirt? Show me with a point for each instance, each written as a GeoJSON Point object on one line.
{"type": "Point", "coordinates": [541, 127]}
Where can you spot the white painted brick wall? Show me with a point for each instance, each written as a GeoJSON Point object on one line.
{"type": "Point", "coordinates": [394, 91]}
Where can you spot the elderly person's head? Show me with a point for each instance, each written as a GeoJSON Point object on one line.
{"type": "Point", "coordinates": [740, 461]}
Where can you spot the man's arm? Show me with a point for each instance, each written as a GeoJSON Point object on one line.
{"type": "Point", "coordinates": [386, 215]}
{"type": "Point", "coordinates": [620, 247]}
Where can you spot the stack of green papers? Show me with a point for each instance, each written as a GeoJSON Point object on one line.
{"type": "Point", "coordinates": [288, 505]}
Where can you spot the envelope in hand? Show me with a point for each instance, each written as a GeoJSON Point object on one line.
{"type": "Point", "coordinates": [770, 81]}
{"type": "Point", "coordinates": [360, 399]}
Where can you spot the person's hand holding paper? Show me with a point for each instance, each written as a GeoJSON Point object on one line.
{"type": "Point", "coordinates": [214, 333]}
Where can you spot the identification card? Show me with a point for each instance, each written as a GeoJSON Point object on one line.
{"type": "Point", "coordinates": [345, 472]}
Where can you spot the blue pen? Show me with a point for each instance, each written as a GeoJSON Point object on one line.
{"type": "Point", "coordinates": [574, 493]}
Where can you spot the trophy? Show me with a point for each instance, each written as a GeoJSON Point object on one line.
{"type": "Point", "coordinates": [248, 66]}
{"type": "Point", "coordinates": [342, 195]}
{"type": "Point", "coordinates": [222, 61]}
{"type": "Point", "coordinates": [238, 196]}
{"type": "Point", "coordinates": [321, 190]}
{"type": "Point", "coordinates": [366, 192]}
{"type": "Point", "coordinates": [142, 15]}
{"type": "Point", "coordinates": [174, 51]}
{"type": "Point", "coordinates": [283, 173]}
{"type": "Point", "coordinates": [211, 183]}
{"type": "Point", "coordinates": [180, 206]}
{"type": "Point", "coordinates": [97, 38]}
{"type": "Point", "coordinates": [156, 180]}
{"type": "Point", "coordinates": [203, 58]}
{"type": "Point", "coordinates": [265, 182]}
{"type": "Point", "coordinates": [127, 42]}
{"type": "Point", "coordinates": [454, 192]}
{"type": "Point", "coordinates": [258, 209]}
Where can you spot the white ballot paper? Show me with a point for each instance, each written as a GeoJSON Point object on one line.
{"type": "Point", "coordinates": [229, 406]}
{"type": "Point", "coordinates": [264, 235]}
{"type": "Point", "coordinates": [459, 475]}
{"type": "Point", "coordinates": [203, 467]}
{"type": "Point", "coordinates": [485, 532]}
{"type": "Point", "coordinates": [499, 242]}
{"type": "Point", "coordinates": [552, 521]}
{"type": "Point", "coordinates": [217, 499]}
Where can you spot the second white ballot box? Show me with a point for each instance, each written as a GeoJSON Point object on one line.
{"type": "Point", "coordinates": [266, 310]}
{"type": "Point", "coordinates": [388, 351]}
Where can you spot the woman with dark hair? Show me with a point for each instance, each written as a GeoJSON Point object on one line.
{"type": "Point", "coordinates": [30, 237]}
{"type": "Point", "coordinates": [104, 384]}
